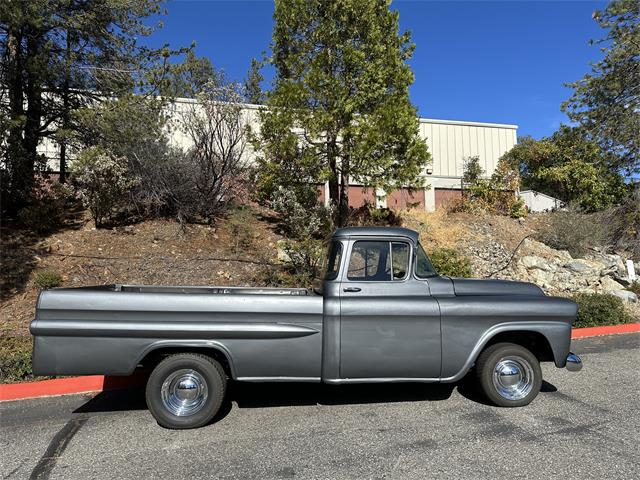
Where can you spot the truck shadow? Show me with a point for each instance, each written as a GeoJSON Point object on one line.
{"type": "Point", "coordinates": [265, 395]}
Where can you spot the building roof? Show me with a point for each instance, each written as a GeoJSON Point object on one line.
{"type": "Point", "coordinates": [540, 194]}
{"type": "Point", "coordinates": [376, 232]}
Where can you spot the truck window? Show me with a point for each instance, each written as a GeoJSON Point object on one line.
{"type": "Point", "coordinates": [331, 261]}
{"type": "Point", "coordinates": [369, 262]}
{"type": "Point", "coordinates": [424, 268]}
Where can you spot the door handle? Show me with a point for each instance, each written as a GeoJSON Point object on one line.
{"type": "Point", "coordinates": [351, 289]}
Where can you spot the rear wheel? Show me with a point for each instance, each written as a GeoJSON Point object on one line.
{"type": "Point", "coordinates": [509, 375]}
{"type": "Point", "coordinates": [186, 390]}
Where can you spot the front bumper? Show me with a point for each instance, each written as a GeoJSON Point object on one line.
{"type": "Point", "coordinates": [574, 362]}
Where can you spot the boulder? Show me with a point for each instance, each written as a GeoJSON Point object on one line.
{"type": "Point", "coordinates": [625, 295]}
{"type": "Point", "coordinates": [533, 261]}
{"type": "Point", "coordinates": [579, 266]}
{"type": "Point", "coordinates": [609, 285]}
{"type": "Point", "coordinates": [539, 249]}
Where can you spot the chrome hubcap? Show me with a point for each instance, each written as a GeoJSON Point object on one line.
{"type": "Point", "coordinates": [184, 392]}
{"type": "Point", "coordinates": [513, 378]}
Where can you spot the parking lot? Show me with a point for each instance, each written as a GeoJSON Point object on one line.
{"type": "Point", "coordinates": [582, 425]}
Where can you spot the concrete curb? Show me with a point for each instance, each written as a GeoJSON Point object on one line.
{"type": "Point", "coordinates": [609, 330]}
{"type": "Point", "coordinates": [100, 383]}
{"type": "Point", "coordinates": [67, 386]}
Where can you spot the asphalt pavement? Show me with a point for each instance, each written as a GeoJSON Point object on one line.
{"type": "Point", "coordinates": [582, 425]}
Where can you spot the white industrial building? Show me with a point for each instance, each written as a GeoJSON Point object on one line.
{"type": "Point", "coordinates": [450, 142]}
{"type": "Point", "coordinates": [540, 202]}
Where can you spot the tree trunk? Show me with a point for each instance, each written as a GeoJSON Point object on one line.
{"type": "Point", "coordinates": [343, 206]}
{"type": "Point", "coordinates": [24, 173]}
{"type": "Point", "coordinates": [65, 110]}
{"type": "Point", "coordinates": [15, 151]}
{"type": "Point", "coordinates": [334, 180]}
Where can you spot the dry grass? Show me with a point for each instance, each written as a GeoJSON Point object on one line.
{"type": "Point", "coordinates": [437, 229]}
{"type": "Point", "coordinates": [633, 309]}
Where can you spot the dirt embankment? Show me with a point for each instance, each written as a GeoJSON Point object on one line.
{"type": "Point", "coordinates": [235, 251]}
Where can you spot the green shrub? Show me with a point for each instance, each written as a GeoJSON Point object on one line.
{"type": "Point", "coordinates": [300, 260]}
{"type": "Point", "coordinates": [450, 262]}
{"type": "Point", "coordinates": [595, 309]}
{"type": "Point", "coordinates": [302, 215]}
{"type": "Point", "coordinates": [104, 181]}
{"type": "Point", "coordinates": [15, 358]}
{"type": "Point", "coordinates": [370, 215]}
{"type": "Point", "coordinates": [518, 209]}
{"type": "Point", "coordinates": [47, 279]}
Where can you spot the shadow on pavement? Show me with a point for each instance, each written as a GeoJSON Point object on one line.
{"type": "Point", "coordinates": [264, 395]}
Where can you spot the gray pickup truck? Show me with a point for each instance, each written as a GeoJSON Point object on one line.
{"type": "Point", "coordinates": [379, 312]}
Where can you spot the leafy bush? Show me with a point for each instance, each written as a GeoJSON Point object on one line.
{"type": "Point", "coordinates": [104, 182]}
{"type": "Point", "coordinates": [303, 258]}
{"type": "Point", "coordinates": [300, 261]}
{"type": "Point", "coordinates": [47, 279]}
{"type": "Point", "coordinates": [15, 361]}
{"type": "Point", "coordinates": [495, 194]}
{"type": "Point", "coordinates": [574, 231]}
{"type": "Point", "coordinates": [47, 205]}
{"type": "Point", "coordinates": [518, 209]}
{"type": "Point", "coordinates": [596, 309]}
{"type": "Point", "coordinates": [569, 166]}
{"type": "Point", "coordinates": [369, 215]}
{"type": "Point", "coordinates": [450, 262]}
{"type": "Point", "coordinates": [303, 216]}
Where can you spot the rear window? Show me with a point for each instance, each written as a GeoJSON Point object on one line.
{"type": "Point", "coordinates": [331, 261]}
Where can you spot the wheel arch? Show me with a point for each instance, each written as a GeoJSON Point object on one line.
{"type": "Point", "coordinates": [533, 341]}
{"type": "Point", "coordinates": [153, 354]}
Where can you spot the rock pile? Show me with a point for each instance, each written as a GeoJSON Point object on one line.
{"type": "Point", "coordinates": [555, 271]}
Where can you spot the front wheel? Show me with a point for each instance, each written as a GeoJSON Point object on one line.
{"type": "Point", "coordinates": [185, 390]}
{"type": "Point", "coordinates": [509, 375]}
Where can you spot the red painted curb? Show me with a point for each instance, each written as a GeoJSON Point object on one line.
{"type": "Point", "coordinates": [66, 386]}
{"type": "Point", "coordinates": [609, 330]}
{"type": "Point", "coordinates": [99, 383]}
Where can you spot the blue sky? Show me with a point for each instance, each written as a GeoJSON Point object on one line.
{"type": "Point", "coordinates": [486, 61]}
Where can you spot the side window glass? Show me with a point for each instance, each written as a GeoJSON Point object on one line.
{"type": "Point", "coordinates": [400, 259]}
{"type": "Point", "coordinates": [424, 268]}
{"type": "Point", "coordinates": [370, 262]}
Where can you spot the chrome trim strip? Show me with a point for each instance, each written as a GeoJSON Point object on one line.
{"type": "Point", "coordinates": [381, 380]}
{"type": "Point", "coordinates": [279, 379]}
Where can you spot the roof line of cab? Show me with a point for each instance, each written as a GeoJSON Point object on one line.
{"type": "Point", "coordinates": [376, 232]}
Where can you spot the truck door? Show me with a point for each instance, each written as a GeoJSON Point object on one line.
{"type": "Point", "coordinates": [389, 322]}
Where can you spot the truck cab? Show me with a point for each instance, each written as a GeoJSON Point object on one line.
{"type": "Point", "coordinates": [381, 320]}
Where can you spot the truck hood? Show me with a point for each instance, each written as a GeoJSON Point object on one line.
{"type": "Point", "coordinates": [472, 286]}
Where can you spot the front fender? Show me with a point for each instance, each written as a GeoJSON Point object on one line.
{"type": "Point", "coordinates": [558, 334]}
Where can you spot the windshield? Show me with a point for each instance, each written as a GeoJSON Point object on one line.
{"type": "Point", "coordinates": [424, 268]}
{"type": "Point", "coordinates": [331, 261]}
